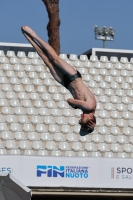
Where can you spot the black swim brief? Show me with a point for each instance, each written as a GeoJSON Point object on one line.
{"type": "Point", "coordinates": [68, 79]}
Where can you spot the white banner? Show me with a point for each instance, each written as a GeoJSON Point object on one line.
{"type": "Point", "coordinates": [41, 171]}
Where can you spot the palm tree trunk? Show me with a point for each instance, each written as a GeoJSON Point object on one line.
{"type": "Point", "coordinates": [52, 7]}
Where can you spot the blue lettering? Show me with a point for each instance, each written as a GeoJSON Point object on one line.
{"type": "Point", "coordinates": [9, 170]}
{"type": "Point", "coordinates": [76, 175]}
{"type": "Point", "coordinates": [72, 175]}
{"type": "Point", "coordinates": [49, 172]}
{"type": "Point", "coordinates": [85, 175]}
{"type": "Point", "coordinates": [67, 175]}
{"type": "Point", "coordinates": [57, 171]}
{"type": "Point", "coordinates": [54, 171]}
{"type": "Point", "coordinates": [4, 169]}
{"type": "Point", "coordinates": [41, 170]}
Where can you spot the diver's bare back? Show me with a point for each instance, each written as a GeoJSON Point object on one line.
{"type": "Point", "coordinates": [80, 91]}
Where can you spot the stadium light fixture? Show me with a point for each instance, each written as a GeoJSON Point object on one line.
{"type": "Point", "coordinates": [104, 34]}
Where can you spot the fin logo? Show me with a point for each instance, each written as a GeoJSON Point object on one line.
{"type": "Point", "coordinates": [50, 171]}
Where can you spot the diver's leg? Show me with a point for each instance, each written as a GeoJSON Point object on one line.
{"type": "Point", "coordinates": [55, 71]}
{"type": "Point", "coordinates": [56, 60]}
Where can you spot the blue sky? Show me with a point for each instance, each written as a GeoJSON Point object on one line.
{"type": "Point", "coordinates": [77, 20]}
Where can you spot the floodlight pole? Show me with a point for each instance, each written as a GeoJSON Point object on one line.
{"type": "Point", "coordinates": [104, 43]}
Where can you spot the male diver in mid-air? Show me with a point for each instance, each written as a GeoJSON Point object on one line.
{"type": "Point", "coordinates": [69, 77]}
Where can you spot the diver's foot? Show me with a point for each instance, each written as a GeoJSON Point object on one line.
{"type": "Point", "coordinates": [28, 31]}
